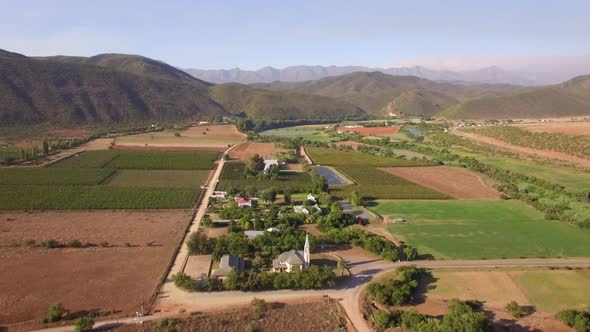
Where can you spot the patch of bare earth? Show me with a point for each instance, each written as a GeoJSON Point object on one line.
{"type": "Point", "coordinates": [120, 276]}
{"type": "Point", "coordinates": [548, 154]}
{"type": "Point", "coordinates": [368, 131]}
{"type": "Point", "coordinates": [304, 315]}
{"type": "Point", "coordinates": [203, 137]}
{"type": "Point", "coordinates": [456, 182]}
{"type": "Point", "coordinates": [69, 133]}
{"type": "Point", "coordinates": [246, 150]}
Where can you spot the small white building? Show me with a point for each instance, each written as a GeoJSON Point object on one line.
{"type": "Point", "coordinates": [219, 194]}
{"type": "Point", "coordinates": [311, 198]}
{"type": "Point", "coordinates": [252, 234]}
{"type": "Point", "coordinates": [269, 163]}
{"type": "Point", "coordinates": [300, 209]}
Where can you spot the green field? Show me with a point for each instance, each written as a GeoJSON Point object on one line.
{"type": "Point", "coordinates": [94, 197]}
{"type": "Point", "coordinates": [164, 160]}
{"type": "Point", "coordinates": [334, 157]}
{"type": "Point", "coordinates": [483, 229]}
{"type": "Point", "coordinates": [309, 132]}
{"type": "Point", "coordinates": [373, 183]}
{"type": "Point", "coordinates": [53, 176]}
{"type": "Point", "coordinates": [159, 178]}
{"type": "Point", "coordinates": [232, 176]}
{"type": "Point", "coordinates": [552, 291]}
{"type": "Point", "coordinates": [88, 159]}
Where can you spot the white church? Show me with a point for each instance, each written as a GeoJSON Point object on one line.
{"type": "Point", "coordinates": [293, 260]}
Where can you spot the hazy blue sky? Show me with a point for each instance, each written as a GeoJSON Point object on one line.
{"type": "Point", "coordinates": [250, 34]}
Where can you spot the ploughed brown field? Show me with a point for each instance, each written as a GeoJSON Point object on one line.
{"type": "Point", "coordinates": [119, 277]}
{"type": "Point", "coordinates": [304, 315]}
{"type": "Point", "coordinates": [369, 131]}
{"type": "Point", "coordinates": [202, 137]}
{"type": "Point", "coordinates": [456, 182]}
{"type": "Point", "coordinates": [568, 128]}
{"type": "Point", "coordinates": [246, 150]}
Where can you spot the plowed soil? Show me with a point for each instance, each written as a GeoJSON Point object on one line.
{"type": "Point", "coordinates": [369, 131]}
{"type": "Point", "coordinates": [246, 150]}
{"type": "Point", "coordinates": [571, 128]}
{"type": "Point", "coordinates": [116, 277]}
{"type": "Point", "coordinates": [454, 181]}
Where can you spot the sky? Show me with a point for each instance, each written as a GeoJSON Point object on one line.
{"type": "Point", "coordinates": [251, 34]}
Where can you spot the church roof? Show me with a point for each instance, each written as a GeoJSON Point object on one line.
{"type": "Point", "coordinates": [293, 257]}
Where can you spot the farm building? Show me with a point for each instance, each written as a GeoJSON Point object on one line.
{"type": "Point", "coordinates": [252, 234]}
{"type": "Point", "coordinates": [269, 163]}
{"type": "Point", "coordinates": [226, 264]}
{"type": "Point", "coordinates": [293, 260]}
{"type": "Point", "coordinates": [219, 194]}
{"type": "Point", "coordinates": [300, 209]}
{"type": "Point", "coordinates": [244, 202]}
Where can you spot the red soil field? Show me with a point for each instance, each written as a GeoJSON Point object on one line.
{"type": "Point", "coordinates": [90, 278]}
{"type": "Point", "coordinates": [370, 131]}
{"type": "Point", "coordinates": [456, 182]}
{"type": "Point", "coordinates": [246, 150]}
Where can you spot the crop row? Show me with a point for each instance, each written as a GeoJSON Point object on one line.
{"type": "Point", "coordinates": [334, 157]}
{"type": "Point", "coordinates": [88, 159]}
{"type": "Point", "coordinates": [374, 183]}
{"type": "Point", "coordinates": [94, 197]}
{"type": "Point", "coordinates": [53, 176]}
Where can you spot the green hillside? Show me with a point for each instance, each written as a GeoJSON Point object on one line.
{"type": "Point", "coordinates": [375, 91]}
{"type": "Point", "coordinates": [127, 89]}
{"type": "Point", "coordinates": [262, 104]}
{"type": "Point", "coordinates": [571, 98]}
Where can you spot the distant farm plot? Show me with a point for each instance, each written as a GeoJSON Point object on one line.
{"type": "Point", "coordinates": [568, 128]}
{"type": "Point", "coordinates": [88, 159]}
{"type": "Point", "coordinates": [246, 150]}
{"type": "Point", "coordinates": [334, 157]}
{"type": "Point", "coordinates": [313, 133]}
{"type": "Point", "coordinates": [232, 176]}
{"type": "Point", "coordinates": [482, 229]}
{"type": "Point", "coordinates": [371, 131]}
{"type": "Point", "coordinates": [53, 176]}
{"type": "Point", "coordinates": [204, 136]}
{"type": "Point", "coordinates": [159, 178]}
{"type": "Point", "coordinates": [114, 277]}
{"type": "Point", "coordinates": [549, 291]}
{"type": "Point", "coordinates": [373, 183]}
{"type": "Point", "coordinates": [453, 181]}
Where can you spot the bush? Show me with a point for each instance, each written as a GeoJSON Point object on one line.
{"type": "Point", "coordinates": [74, 244]}
{"type": "Point", "coordinates": [50, 244]}
{"type": "Point", "coordinates": [259, 306]}
{"type": "Point", "coordinates": [382, 319]}
{"type": "Point", "coordinates": [183, 281]}
{"type": "Point", "coordinates": [515, 310]}
{"type": "Point", "coordinates": [104, 244]}
{"type": "Point", "coordinates": [397, 291]}
{"type": "Point", "coordinates": [83, 324]}
{"type": "Point", "coordinates": [55, 313]}
{"type": "Point", "coordinates": [579, 320]}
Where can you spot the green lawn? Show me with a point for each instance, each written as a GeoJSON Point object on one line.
{"type": "Point", "coordinates": [483, 229]}
{"type": "Point", "coordinates": [552, 291]}
{"type": "Point", "coordinates": [232, 176]}
{"type": "Point", "coordinates": [159, 178]}
{"type": "Point", "coordinates": [308, 132]}
{"type": "Point", "coordinates": [334, 157]}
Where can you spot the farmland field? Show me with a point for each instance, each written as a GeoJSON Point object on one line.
{"type": "Point", "coordinates": [482, 229]}
{"type": "Point", "coordinates": [232, 176]}
{"type": "Point", "coordinates": [568, 128]}
{"type": "Point", "coordinates": [333, 157]}
{"type": "Point", "coordinates": [39, 197]}
{"type": "Point", "coordinates": [88, 159]}
{"type": "Point", "coordinates": [309, 132]}
{"type": "Point", "coordinates": [548, 290]}
{"type": "Point", "coordinates": [371, 131]}
{"type": "Point", "coordinates": [53, 176]}
{"type": "Point", "coordinates": [204, 136]}
{"type": "Point", "coordinates": [103, 278]}
{"type": "Point", "coordinates": [246, 150]}
{"type": "Point", "coordinates": [159, 178]}
{"type": "Point", "coordinates": [373, 183]}
{"type": "Point", "coordinates": [164, 160]}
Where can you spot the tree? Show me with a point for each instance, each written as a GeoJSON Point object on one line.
{"type": "Point", "coordinates": [232, 280]}
{"type": "Point", "coordinates": [183, 281]}
{"type": "Point", "coordinates": [269, 195]}
{"type": "Point", "coordinates": [259, 306]}
{"type": "Point", "coordinates": [287, 197]}
{"type": "Point", "coordinates": [356, 199]}
{"type": "Point", "coordinates": [382, 319]}
{"type": "Point", "coordinates": [341, 265]}
{"type": "Point", "coordinates": [55, 313]}
{"type": "Point", "coordinates": [274, 172]}
{"type": "Point", "coordinates": [198, 243]}
{"type": "Point", "coordinates": [462, 318]}
{"type": "Point", "coordinates": [45, 148]}
{"type": "Point", "coordinates": [318, 183]}
{"type": "Point", "coordinates": [254, 166]}
{"type": "Point", "coordinates": [411, 253]}
{"type": "Point", "coordinates": [84, 324]}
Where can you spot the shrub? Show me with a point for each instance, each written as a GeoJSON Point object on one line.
{"type": "Point", "coordinates": [397, 291]}
{"type": "Point", "coordinates": [382, 319]}
{"type": "Point", "coordinates": [579, 320]}
{"type": "Point", "coordinates": [515, 310]}
{"type": "Point", "coordinates": [55, 313]}
{"type": "Point", "coordinates": [126, 244]}
{"type": "Point", "coordinates": [105, 244]}
{"type": "Point", "coordinates": [183, 281]}
{"type": "Point", "coordinates": [30, 243]}
{"type": "Point", "coordinates": [74, 244]}
{"type": "Point", "coordinates": [259, 306]}
{"type": "Point", "coordinates": [50, 244]}
{"type": "Point", "coordinates": [83, 324]}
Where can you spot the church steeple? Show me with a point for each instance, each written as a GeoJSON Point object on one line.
{"type": "Point", "coordinates": [306, 252]}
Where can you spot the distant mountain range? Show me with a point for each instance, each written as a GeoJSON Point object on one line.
{"type": "Point", "coordinates": [113, 89]}
{"type": "Point", "coordinates": [490, 75]}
